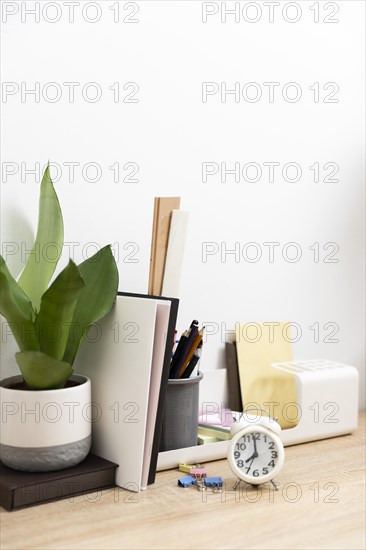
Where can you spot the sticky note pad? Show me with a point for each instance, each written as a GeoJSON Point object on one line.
{"type": "Point", "coordinates": [223, 435]}
{"type": "Point", "coordinates": [205, 439]}
{"type": "Point", "coordinates": [258, 346]}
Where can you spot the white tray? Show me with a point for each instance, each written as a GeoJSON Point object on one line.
{"type": "Point", "coordinates": [328, 406]}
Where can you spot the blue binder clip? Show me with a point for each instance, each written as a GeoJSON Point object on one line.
{"type": "Point", "coordinates": [215, 483]}
{"type": "Point", "coordinates": [185, 481]}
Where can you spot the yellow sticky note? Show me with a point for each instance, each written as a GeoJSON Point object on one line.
{"type": "Point", "coordinates": [259, 345]}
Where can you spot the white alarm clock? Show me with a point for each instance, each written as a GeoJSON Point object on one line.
{"type": "Point", "coordinates": [256, 454]}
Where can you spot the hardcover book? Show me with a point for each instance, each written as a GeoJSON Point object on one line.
{"type": "Point", "coordinates": [22, 489]}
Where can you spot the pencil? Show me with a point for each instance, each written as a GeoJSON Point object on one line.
{"type": "Point", "coordinates": [193, 348]}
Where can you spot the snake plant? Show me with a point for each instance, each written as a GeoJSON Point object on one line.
{"type": "Point", "coordinates": [50, 323]}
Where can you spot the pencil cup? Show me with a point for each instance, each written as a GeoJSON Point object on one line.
{"type": "Point", "coordinates": [180, 424]}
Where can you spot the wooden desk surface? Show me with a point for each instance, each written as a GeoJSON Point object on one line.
{"type": "Point", "coordinates": [320, 504]}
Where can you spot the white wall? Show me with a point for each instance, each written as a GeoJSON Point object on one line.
{"type": "Point", "coordinates": [171, 131]}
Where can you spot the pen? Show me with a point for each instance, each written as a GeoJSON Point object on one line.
{"type": "Point", "coordinates": [193, 348]}
{"type": "Point", "coordinates": [193, 362]}
{"type": "Point", "coordinates": [178, 352]}
{"type": "Point", "coordinates": [192, 331]}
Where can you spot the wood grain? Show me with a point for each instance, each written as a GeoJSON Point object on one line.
{"type": "Point", "coordinates": [320, 504]}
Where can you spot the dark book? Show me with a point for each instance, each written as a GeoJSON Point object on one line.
{"type": "Point", "coordinates": [235, 402]}
{"type": "Point", "coordinates": [22, 489]}
{"type": "Point", "coordinates": [164, 377]}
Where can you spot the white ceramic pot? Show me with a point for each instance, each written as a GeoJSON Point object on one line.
{"type": "Point", "coordinates": [45, 430]}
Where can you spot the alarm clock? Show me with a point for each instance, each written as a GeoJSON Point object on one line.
{"type": "Point", "coordinates": [256, 454]}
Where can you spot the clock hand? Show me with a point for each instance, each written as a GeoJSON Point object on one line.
{"type": "Point", "coordinates": [250, 465]}
{"type": "Point", "coordinates": [255, 454]}
{"type": "Point", "coordinates": [255, 446]}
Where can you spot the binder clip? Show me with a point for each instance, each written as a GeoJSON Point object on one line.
{"type": "Point", "coordinates": [197, 484]}
{"type": "Point", "coordinates": [198, 472]}
{"type": "Point", "coordinates": [198, 475]}
{"type": "Point", "coordinates": [186, 468]}
{"type": "Point", "coordinates": [215, 483]}
{"type": "Point", "coordinates": [185, 481]}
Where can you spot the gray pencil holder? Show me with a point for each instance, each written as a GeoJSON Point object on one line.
{"type": "Point", "coordinates": [180, 424]}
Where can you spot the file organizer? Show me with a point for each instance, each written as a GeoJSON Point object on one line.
{"type": "Point", "coordinates": [327, 406]}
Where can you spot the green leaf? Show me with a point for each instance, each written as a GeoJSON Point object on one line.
{"type": "Point", "coordinates": [47, 248]}
{"type": "Point", "coordinates": [57, 309]}
{"type": "Point", "coordinates": [42, 372]}
{"type": "Point", "coordinates": [17, 309]}
{"type": "Point", "coordinates": [100, 275]}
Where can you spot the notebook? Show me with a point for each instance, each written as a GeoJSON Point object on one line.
{"type": "Point", "coordinates": [160, 343]}
{"type": "Point", "coordinates": [126, 368]}
{"type": "Point", "coordinates": [258, 346]}
{"type": "Point", "coordinates": [235, 402]}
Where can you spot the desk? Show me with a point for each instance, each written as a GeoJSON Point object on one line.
{"type": "Point", "coordinates": [320, 504]}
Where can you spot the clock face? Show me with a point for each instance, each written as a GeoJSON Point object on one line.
{"type": "Point", "coordinates": [256, 454]}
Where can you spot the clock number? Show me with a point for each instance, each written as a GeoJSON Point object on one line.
{"type": "Point", "coordinates": [256, 436]}
{"type": "Point", "coordinates": [255, 473]}
{"type": "Point", "coordinates": [264, 471]}
{"type": "Point", "coordinates": [241, 446]}
{"type": "Point", "coordinates": [271, 463]}
{"type": "Point", "coordinates": [237, 454]}
{"type": "Point", "coordinates": [273, 454]}
{"type": "Point", "coordinates": [240, 463]}
{"type": "Point", "coordinates": [271, 445]}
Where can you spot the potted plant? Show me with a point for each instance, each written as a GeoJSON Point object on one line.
{"type": "Point", "coordinates": [46, 413]}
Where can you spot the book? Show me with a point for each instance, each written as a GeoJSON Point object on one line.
{"type": "Point", "coordinates": [175, 253]}
{"type": "Point", "coordinates": [160, 344]}
{"type": "Point", "coordinates": [120, 367]}
{"type": "Point", "coordinates": [235, 401]}
{"type": "Point", "coordinates": [163, 207]}
{"type": "Point", "coordinates": [174, 304]}
{"type": "Point", "coordinates": [22, 489]}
